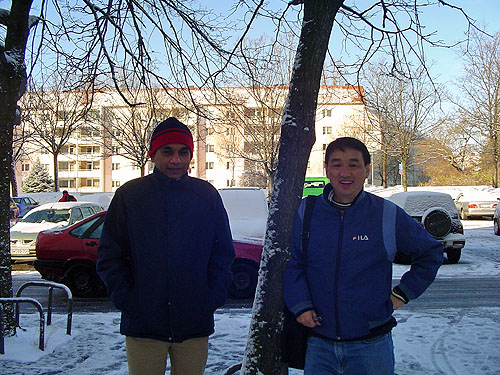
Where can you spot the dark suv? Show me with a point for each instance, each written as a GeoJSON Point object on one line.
{"type": "Point", "coordinates": [439, 216]}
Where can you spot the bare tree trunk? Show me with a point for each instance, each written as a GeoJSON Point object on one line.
{"type": "Point", "coordinates": [13, 180]}
{"type": "Point", "coordinates": [262, 353]}
{"type": "Point", "coordinates": [56, 171]}
{"type": "Point", "coordinates": [12, 87]}
{"type": "Point", "coordinates": [403, 176]}
{"type": "Point", "coordinates": [384, 168]}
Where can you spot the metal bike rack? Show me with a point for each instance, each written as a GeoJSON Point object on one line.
{"type": "Point", "coordinates": [17, 301]}
{"type": "Point", "coordinates": [51, 286]}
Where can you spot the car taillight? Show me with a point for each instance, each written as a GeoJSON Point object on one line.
{"type": "Point", "coordinates": [494, 205]}
{"type": "Point", "coordinates": [472, 205]}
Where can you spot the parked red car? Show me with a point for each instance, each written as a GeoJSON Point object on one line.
{"type": "Point", "coordinates": [69, 255]}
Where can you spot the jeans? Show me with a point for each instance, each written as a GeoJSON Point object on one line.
{"type": "Point", "coordinates": [374, 356]}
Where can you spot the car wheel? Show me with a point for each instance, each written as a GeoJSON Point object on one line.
{"type": "Point", "coordinates": [496, 227]}
{"type": "Point", "coordinates": [244, 280]}
{"type": "Point", "coordinates": [82, 280]}
{"type": "Point", "coordinates": [453, 256]}
{"type": "Point", "coordinates": [463, 216]}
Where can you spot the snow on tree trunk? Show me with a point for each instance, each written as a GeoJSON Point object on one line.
{"type": "Point", "coordinates": [12, 87]}
{"type": "Point", "coordinates": [297, 138]}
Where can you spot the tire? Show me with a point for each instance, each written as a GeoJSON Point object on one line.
{"type": "Point", "coordinates": [437, 222]}
{"type": "Point", "coordinates": [401, 258]}
{"type": "Point", "coordinates": [82, 280]}
{"type": "Point", "coordinates": [244, 280]}
{"type": "Point", "coordinates": [463, 216]}
{"type": "Point", "coordinates": [496, 227]}
{"type": "Point", "coordinates": [453, 256]}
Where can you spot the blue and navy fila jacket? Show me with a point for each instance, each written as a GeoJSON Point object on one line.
{"type": "Point", "coordinates": [347, 276]}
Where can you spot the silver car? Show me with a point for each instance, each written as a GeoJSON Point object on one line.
{"type": "Point", "coordinates": [496, 221]}
{"type": "Point", "coordinates": [477, 204]}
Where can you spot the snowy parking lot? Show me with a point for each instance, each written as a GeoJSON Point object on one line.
{"type": "Point", "coordinates": [444, 341]}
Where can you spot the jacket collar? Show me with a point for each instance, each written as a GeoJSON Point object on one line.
{"type": "Point", "coordinates": [167, 180]}
{"type": "Point", "coordinates": [328, 194]}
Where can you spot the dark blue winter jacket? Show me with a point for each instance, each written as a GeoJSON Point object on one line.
{"type": "Point", "coordinates": [349, 264]}
{"type": "Point", "coordinates": [165, 256]}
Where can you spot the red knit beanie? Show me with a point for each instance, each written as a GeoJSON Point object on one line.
{"type": "Point", "coordinates": [170, 131]}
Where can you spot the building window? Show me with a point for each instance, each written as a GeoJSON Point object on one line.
{"type": "Point", "coordinates": [324, 146]}
{"type": "Point", "coordinates": [93, 115]}
{"type": "Point", "coordinates": [89, 150]}
{"type": "Point", "coordinates": [327, 113]}
{"type": "Point", "coordinates": [68, 149]}
{"type": "Point", "coordinates": [65, 183]}
{"type": "Point", "coordinates": [209, 148]}
{"type": "Point", "coordinates": [115, 183]}
{"type": "Point", "coordinates": [115, 150]}
{"type": "Point", "coordinates": [327, 130]}
{"type": "Point", "coordinates": [92, 182]}
{"type": "Point", "coordinates": [228, 165]}
{"type": "Point", "coordinates": [87, 131]}
{"type": "Point", "coordinates": [25, 167]}
{"type": "Point", "coordinates": [209, 165]}
{"type": "Point", "coordinates": [115, 166]}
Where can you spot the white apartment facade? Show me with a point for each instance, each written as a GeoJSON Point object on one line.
{"type": "Point", "coordinates": [89, 162]}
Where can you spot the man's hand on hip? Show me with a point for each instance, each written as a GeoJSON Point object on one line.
{"type": "Point", "coordinates": [309, 319]}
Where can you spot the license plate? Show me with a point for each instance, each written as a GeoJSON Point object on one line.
{"type": "Point", "coordinates": [20, 251]}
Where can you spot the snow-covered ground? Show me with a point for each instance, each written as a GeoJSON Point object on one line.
{"type": "Point", "coordinates": [447, 341]}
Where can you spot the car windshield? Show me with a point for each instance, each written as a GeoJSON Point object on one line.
{"type": "Point", "coordinates": [49, 215]}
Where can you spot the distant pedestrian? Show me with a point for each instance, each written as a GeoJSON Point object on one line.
{"type": "Point", "coordinates": [67, 197]}
{"type": "Point", "coordinates": [165, 257]}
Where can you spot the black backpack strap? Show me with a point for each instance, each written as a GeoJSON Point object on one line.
{"type": "Point", "coordinates": [306, 223]}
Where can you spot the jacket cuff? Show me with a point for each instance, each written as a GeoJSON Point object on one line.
{"type": "Point", "coordinates": [399, 294]}
{"type": "Point", "coordinates": [301, 308]}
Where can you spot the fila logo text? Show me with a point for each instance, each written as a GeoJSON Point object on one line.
{"type": "Point", "coordinates": [360, 237]}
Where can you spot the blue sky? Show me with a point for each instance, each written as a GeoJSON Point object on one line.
{"type": "Point", "coordinates": [449, 24]}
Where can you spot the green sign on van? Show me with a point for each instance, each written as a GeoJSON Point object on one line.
{"type": "Point", "coordinates": [314, 185]}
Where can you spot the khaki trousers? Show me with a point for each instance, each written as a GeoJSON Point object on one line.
{"type": "Point", "coordinates": [149, 357]}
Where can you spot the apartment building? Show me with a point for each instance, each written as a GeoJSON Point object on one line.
{"type": "Point", "coordinates": [107, 146]}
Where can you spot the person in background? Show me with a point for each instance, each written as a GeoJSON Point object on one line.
{"type": "Point", "coordinates": [342, 290]}
{"type": "Point", "coordinates": [67, 197]}
{"type": "Point", "coordinates": [165, 256]}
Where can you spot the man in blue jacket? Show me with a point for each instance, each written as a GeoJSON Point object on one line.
{"type": "Point", "coordinates": [342, 288]}
{"type": "Point", "coordinates": [165, 257]}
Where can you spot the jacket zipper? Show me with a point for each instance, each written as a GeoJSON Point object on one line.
{"type": "Point", "coordinates": [337, 269]}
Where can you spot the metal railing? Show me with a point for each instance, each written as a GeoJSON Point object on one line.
{"type": "Point", "coordinates": [51, 286]}
{"type": "Point", "coordinates": [18, 299]}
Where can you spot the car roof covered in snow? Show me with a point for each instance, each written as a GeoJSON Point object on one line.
{"type": "Point", "coordinates": [417, 202]}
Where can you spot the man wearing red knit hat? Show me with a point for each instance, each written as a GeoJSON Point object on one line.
{"type": "Point", "coordinates": [165, 257]}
